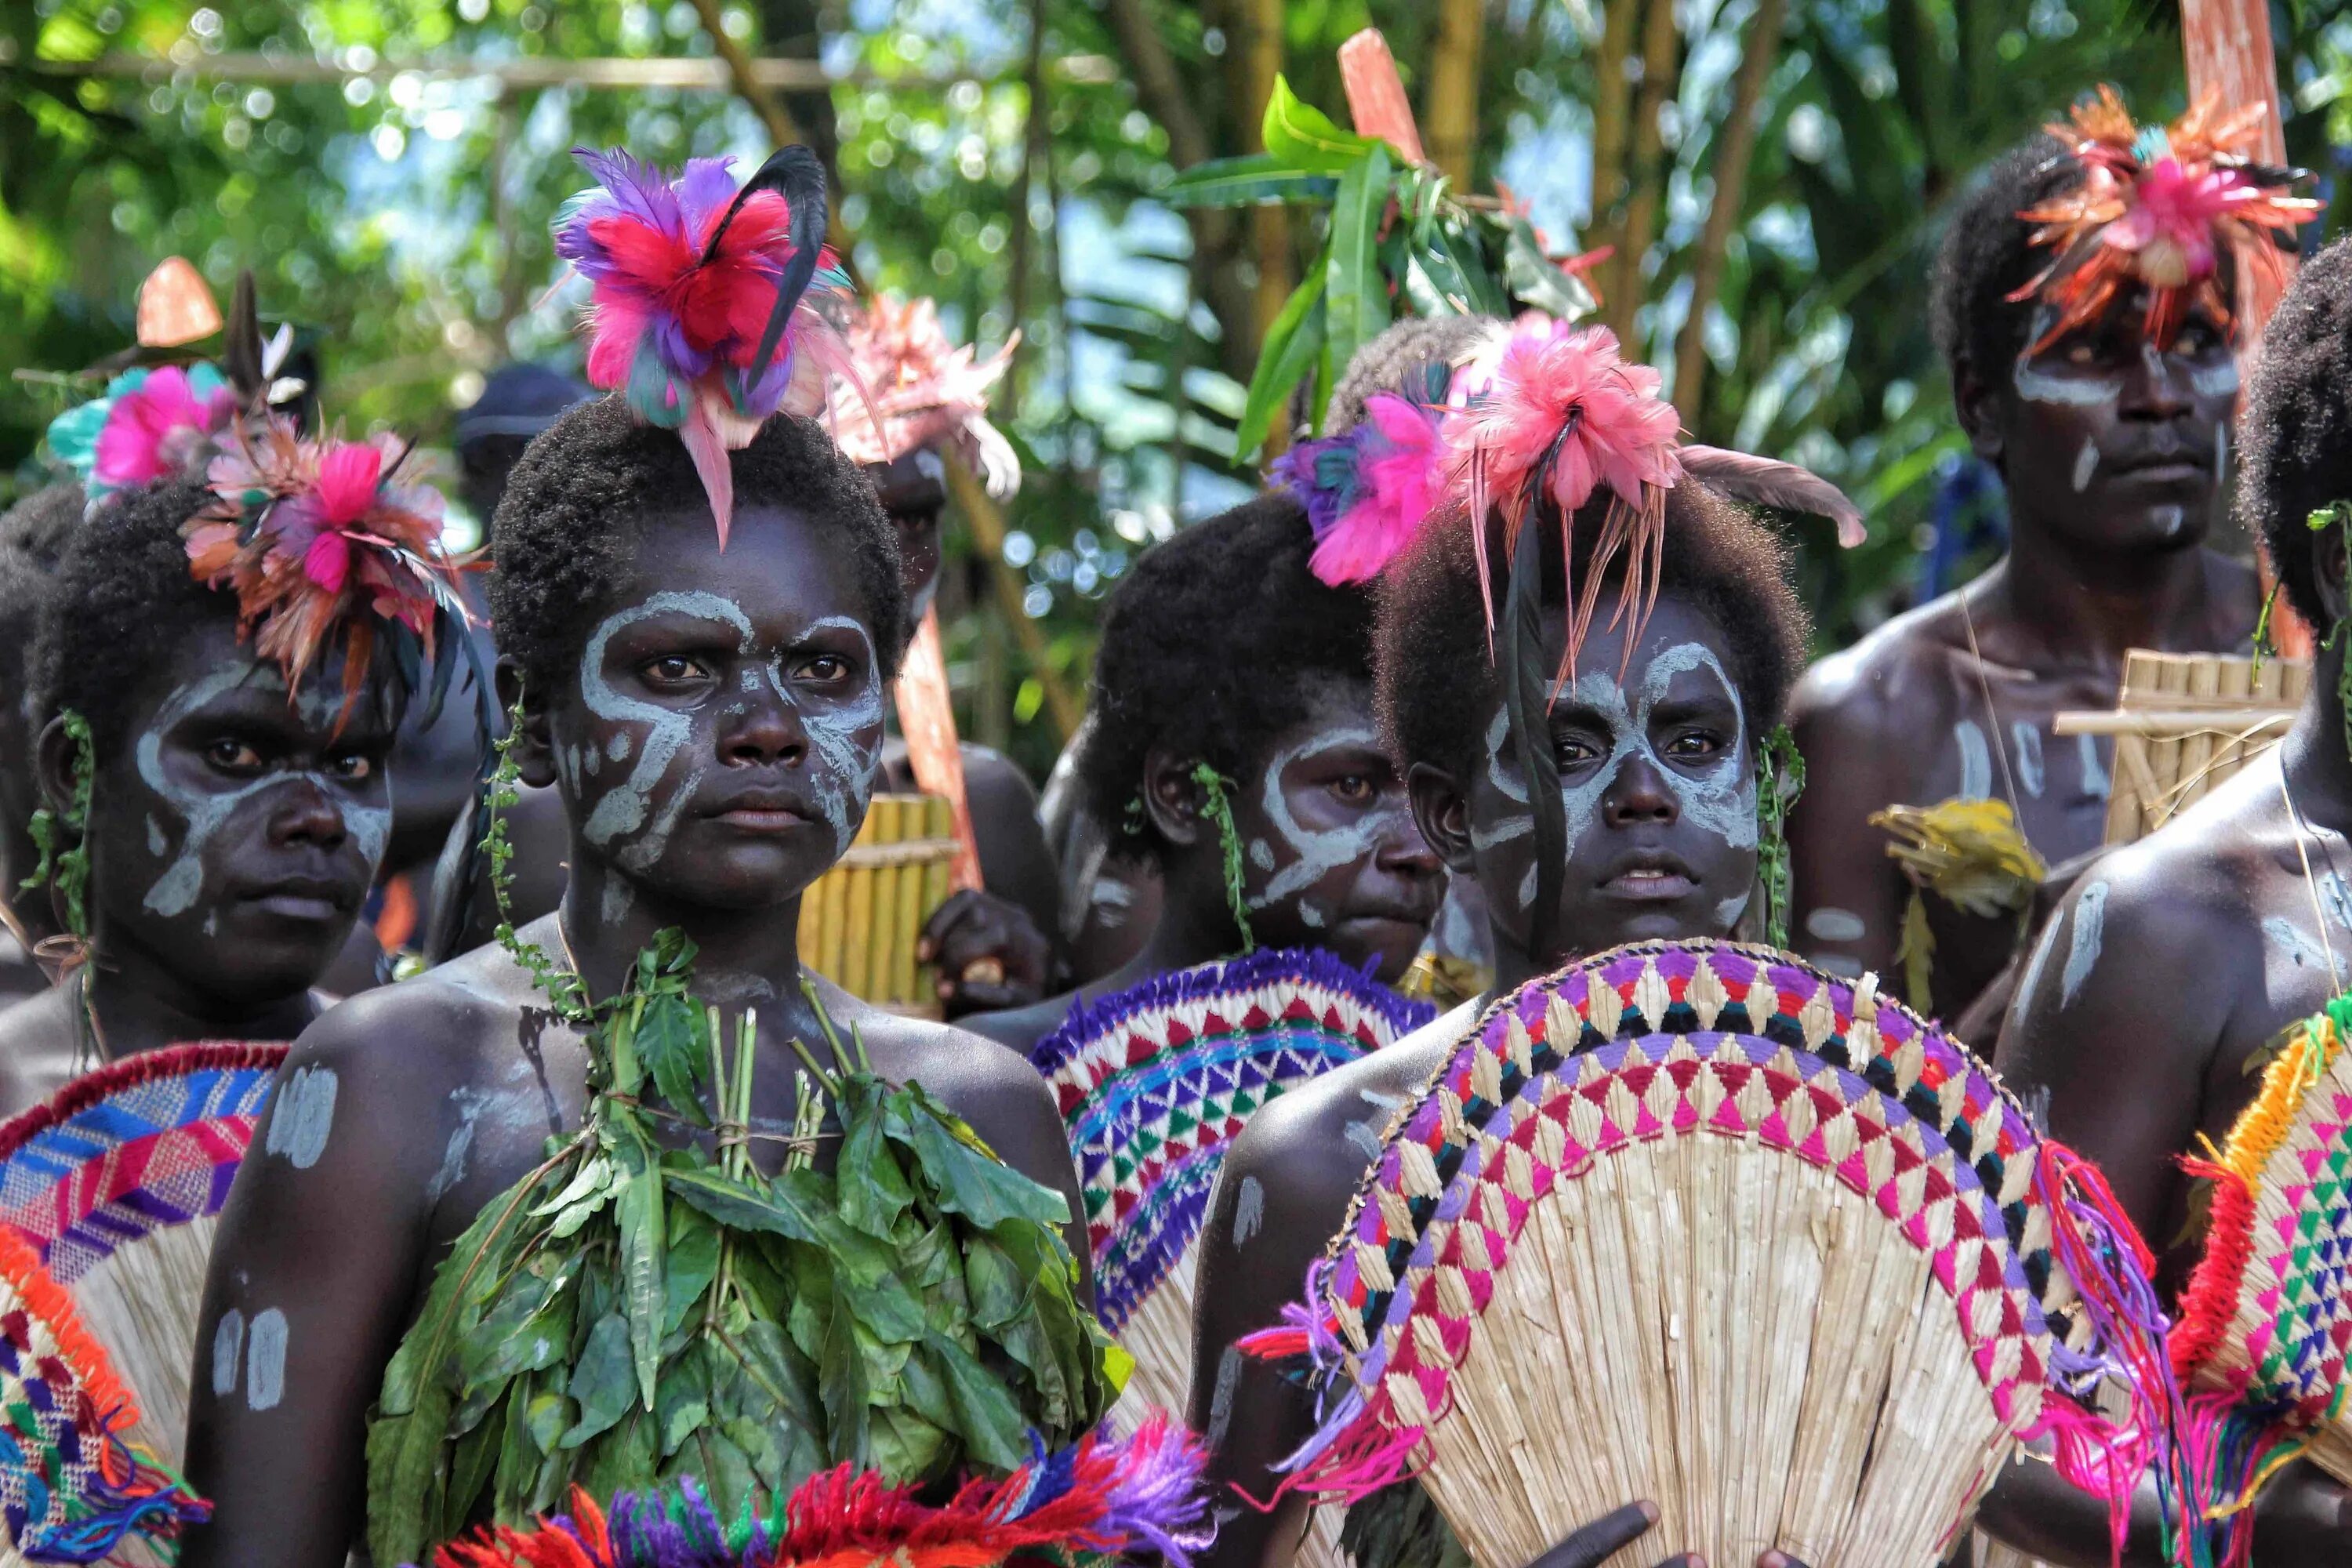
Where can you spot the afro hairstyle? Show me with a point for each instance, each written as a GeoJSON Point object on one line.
{"type": "Point", "coordinates": [1988, 254]}
{"type": "Point", "coordinates": [1384, 363]}
{"type": "Point", "coordinates": [120, 606]}
{"type": "Point", "coordinates": [1435, 679]}
{"type": "Point", "coordinates": [1209, 650]}
{"type": "Point", "coordinates": [576, 506]}
{"type": "Point", "coordinates": [2294, 433]}
{"type": "Point", "coordinates": [33, 535]}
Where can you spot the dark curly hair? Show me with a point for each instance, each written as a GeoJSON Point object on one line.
{"type": "Point", "coordinates": [2294, 432]}
{"type": "Point", "coordinates": [33, 535]}
{"type": "Point", "coordinates": [1208, 650]}
{"type": "Point", "coordinates": [576, 503]}
{"type": "Point", "coordinates": [1987, 255]}
{"type": "Point", "coordinates": [119, 605]}
{"type": "Point", "coordinates": [1383, 363]}
{"type": "Point", "coordinates": [1435, 679]}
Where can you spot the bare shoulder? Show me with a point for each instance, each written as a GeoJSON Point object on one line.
{"type": "Point", "coordinates": [1020, 1029]}
{"type": "Point", "coordinates": [991, 775]}
{"type": "Point", "coordinates": [37, 1054]}
{"type": "Point", "coordinates": [1878, 686]}
{"type": "Point", "coordinates": [990, 1085]}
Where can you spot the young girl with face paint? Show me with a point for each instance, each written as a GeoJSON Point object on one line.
{"type": "Point", "coordinates": [707, 703]}
{"type": "Point", "coordinates": [2094, 367]}
{"type": "Point", "coordinates": [1653, 742]}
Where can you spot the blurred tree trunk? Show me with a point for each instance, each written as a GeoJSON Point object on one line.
{"type": "Point", "coordinates": [1035, 150]}
{"type": "Point", "coordinates": [1164, 94]}
{"type": "Point", "coordinates": [1735, 147]}
{"type": "Point", "coordinates": [1259, 53]}
{"type": "Point", "coordinates": [783, 129]}
{"type": "Point", "coordinates": [788, 30]}
{"type": "Point", "coordinates": [1612, 98]}
{"type": "Point", "coordinates": [1450, 112]}
{"type": "Point", "coordinates": [1646, 170]}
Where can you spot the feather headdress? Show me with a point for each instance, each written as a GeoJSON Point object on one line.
{"type": "Point", "coordinates": [318, 539]}
{"type": "Point", "coordinates": [169, 413]}
{"type": "Point", "coordinates": [700, 313]}
{"type": "Point", "coordinates": [2159, 207]}
{"type": "Point", "coordinates": [1368, 489]}
{"type": "Point", "coordinates": [913, 388]}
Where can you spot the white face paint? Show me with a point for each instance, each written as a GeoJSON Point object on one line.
{"type": "Point", "coordinates": [1976, 760]}
{"type": "Point", "coordinates": [2026, 742]}
{"type": "Point", "coordinates": [1728, 913]}
{"type": "Point", "coordinates": [205, 811]}
{"type": "Point", "coordinates": [1319, 851]}
{"type": "Point", "coordinates": [1720, 799]}
{"type": "Point", "coordinates": [846, 736]}
{"type": "Point", "coordinates": [1830, 923]}
{"type": "Point", "coordinates": [1249, 1211]}
{"type": "Point", "coordinates": [2038, 385]}
{"type": "Point", "coordinates": [2169, 518]}
{"type": "Point", "coordinates": [2086, 463]}
{"type": "Point", "coordinates": [228, 1353]}
{"type": "Point", "coordinates": [2083, 955]}
{"type": "Point", "coordinates": [2218, 380]}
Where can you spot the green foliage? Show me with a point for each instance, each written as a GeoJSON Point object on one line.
{"type": "Point", "coordinates": [1217, 805]}
{"type": "Point", "coordinates": [59, 836]}
{"type": "Point", "coordinates": [632, 1311]}
{"type": "Point", "coordinates": [1779, 782]}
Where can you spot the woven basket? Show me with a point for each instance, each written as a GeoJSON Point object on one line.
{"type": "Point", "coordinates": [2266, 1320]}
{"type": "Point", "coordinates": [1697, 1224]}
{"type": "Point", "coordinates": [2184, 723]}
{"type": "Point", "coordinates": [1154, 1083]}
{"type": "Point", "coordinates": [860, 919]}
{"type": "Point", "coordinates": [117, 1184]}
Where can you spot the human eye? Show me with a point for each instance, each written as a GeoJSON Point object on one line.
{"type": "Point", "coordinates": [1694, 745]}
{"type": "Point", "coordinates": [1356, 789]}
{"type": "Point", "coordinates": [824, 669]}
{"type": "Point", "coordinates": [230, 755]}
{"type": "Point", "coordinates": [351, 767]}
{"type": "Point", "coordinates": [675, 671]}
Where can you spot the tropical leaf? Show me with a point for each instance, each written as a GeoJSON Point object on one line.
{"type": "Point", "coordinates": [1252, 181]}
{"type": "Point", "coordinates": [1294, 344]}
{"type": "Point", "coordinates": [1300, 136]}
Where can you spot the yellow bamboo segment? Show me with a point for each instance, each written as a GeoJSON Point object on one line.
{"type": "Point", "coordinates": [2183, 725]}
{"type": "Point", "coordinates": [857, 917]}
{"type": "Point", "coordinates": [939, 823]}
{"type": "Point", "coordinates": [885, 818]}
{"type": "Point", "coordinates": [2204, 676]}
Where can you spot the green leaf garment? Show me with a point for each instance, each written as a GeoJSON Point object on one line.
{"type": "Point", "coordinates": [889, 1358]}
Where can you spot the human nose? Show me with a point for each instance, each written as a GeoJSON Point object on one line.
{"type": "Point", "coordinates": [768, 731]}
{"type": "Point", "coordinates": [304, 813]}
{"type": "Point", "coordinates": [2157, 388]}
{"type": "Point", "coordinates": [1400, 848]}
{"type": "Point", "coordinates": [1640, 793]}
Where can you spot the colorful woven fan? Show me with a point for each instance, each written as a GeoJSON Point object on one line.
{"type": "Point", "coordinates": [116, 1182]}
{"type": "Point", "coordinates": [2267, 1317]}
{"type": "Point", "coordinates": [1101, 1501]}
{"type": "Point", "coordinates": [72, 1488]}
{"type": "Point", "coordinates": [1697, 1224]}
{"type": "Point", "coordinates": [1154, 1082]}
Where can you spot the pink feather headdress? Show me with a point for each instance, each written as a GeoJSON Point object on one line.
{"type": "Point", "coordinates": [2160, 206]}
{"type": "Point", "coordinates": [701, 312]}
{"type": "Point", "coordinates": [1560, 415]}
{"type": "Point", "coordinates": [913, 388]}
{"type": "Point", "coordinates": [1368, 489]}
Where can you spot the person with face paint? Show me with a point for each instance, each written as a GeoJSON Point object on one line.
{"type": "Point", "coordinates": [2089, 304]}
{"type": "Point", "coordinates": [1650, 749]}
{"type": "Point", "coordinates": [2177, 961]}
{"type": "Point", "coordinates": [916, 399]}
{"type": "Point", "coordinates": [1231, 747]}
{"type": "Point", "coordinates": [33, 535]}
{"type": "Point", "coordinates": [707, 702]}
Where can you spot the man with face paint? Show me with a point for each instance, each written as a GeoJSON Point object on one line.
{"type": "Point", "coordinates": [33, 535]}
{"type": "Point", "coordinates": [1655, 740]}
{"type": "Point", "coordinates": [712, 724]}
{"type": "Point", "coordinates": [233, 831]}
{"type": "Point", "coordinates": [2178, 960]}
{"type": "Point", "coordinates": [1231, 747]}
{"type": "Point", "coordinates": [993, 947]}
{"type": "Point", "coordinates": [2101, 387]}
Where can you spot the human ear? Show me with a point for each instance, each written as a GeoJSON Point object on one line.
{"type": "Point", "coordinates": [1442, 811]}
{"type": "Point", "coordinates": [55, 758]}
{"type": "Point", "coordinates": [534, 744]}
{"type": "Point", "coordinates": [1979, 405]}
{"type": "Point", "coordinates": [1172, 796]}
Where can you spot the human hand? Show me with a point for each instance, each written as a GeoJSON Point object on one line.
{"type": "Point", "coordinates": [1606, 1536]}
{"type": "Point", "coordinates": [989, 952]}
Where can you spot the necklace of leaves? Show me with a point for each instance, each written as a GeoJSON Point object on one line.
{"type": "Point", "coordinates": [631, 1313]}
{"type": "Point", "coordinates": [63, 839]}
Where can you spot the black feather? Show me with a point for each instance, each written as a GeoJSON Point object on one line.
{"type": "Point", "coordinates": [1527, 694]}
{"type": "Point", "coordinates": [241, 352]}
{"type": "Point", "coordinates": [798, 175]}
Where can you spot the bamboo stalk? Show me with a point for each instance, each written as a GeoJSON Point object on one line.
{"type": "Point", "coordinates": [1613, 94]}
{"type": "Point", "coordinates": [1646, 173]}
{"type": "Point", "coordinates": [1451, 105]}
{"type": "Point", "coordinates": [856, 975]}
{"type": "Point", "coordinates": [885, 819]}
{"type": "Point", "coordinates": [1735, 149]}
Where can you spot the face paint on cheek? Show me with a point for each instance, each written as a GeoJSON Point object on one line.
{"type": "Point", "coordinates": [626, 806]}
{"type": "Point", "coordinates": [2169, 520]}
{"type": "Point", "coordinates": [847, 739]}
{"type": "Point", "coordinates": [2086, 463]}
{"type": "Point", "coordinates": [2215, 380]}
{"type": "Point", "coordinates": [1510, 825]}
{"type": "Point", "coordinates": [1728, 913]}
{"type": "Point", "coordinates": [1318, 852]}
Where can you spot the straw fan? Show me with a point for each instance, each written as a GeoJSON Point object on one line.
{"type": "Point", "coordinates": [117, 1184]}
{"type": "Point", "coordinates": [1698, 1223]}
{"type": "Point", "coordinates": [73, 1489]}
{"type": "Point", "coordinates": [1154, 1083]}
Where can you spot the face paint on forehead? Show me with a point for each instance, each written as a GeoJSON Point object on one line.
{"type": "Point", "coordinates": [1320, 851]}
{"type": "Point", "coordinates": [204, 812]}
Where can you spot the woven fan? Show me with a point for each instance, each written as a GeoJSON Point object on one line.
{"type": "Point", "coordinates": [1154, 1082]}
{"type": "Point", "coordinates": [72, 1488]}
{"type": "Point", "coordinates": [2267, 1317]}
{"type": "Point", "coordinates": [116, 1182]}
{"type": "Point", "coordinates": [1697, 1224]}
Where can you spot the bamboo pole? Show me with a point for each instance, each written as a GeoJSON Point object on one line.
{"type": "Point", "coordinates": [1269, 224]}
{"type": "Point", "coordinates": [1736, 147]}
{"type": "Point", "coordinates": [1611, 100]}
{"type": "Point", "coordinates": [1451, 107]}
{"type": "Point", "coordinates": [988, 535]}
{"type": "Point", "coordinates": [1035, 147]}
{"type": "Point", "coordinates": [1646, 173]}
